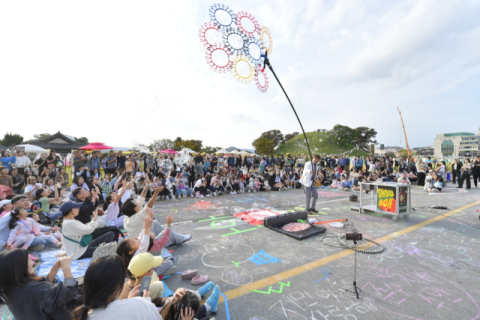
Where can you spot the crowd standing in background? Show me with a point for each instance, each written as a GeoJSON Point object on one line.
{"type": "Point", "coordinates": [105, 201]}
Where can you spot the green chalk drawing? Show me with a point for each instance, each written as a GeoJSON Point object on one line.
{"type": "Point", "coordinates": [270, 290]}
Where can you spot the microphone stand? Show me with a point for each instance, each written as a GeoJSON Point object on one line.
{"type": "Point", "coordinates": [266, 62]}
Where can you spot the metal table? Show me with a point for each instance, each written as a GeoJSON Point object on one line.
{"type": "Point", "coordinates": [389, 198]}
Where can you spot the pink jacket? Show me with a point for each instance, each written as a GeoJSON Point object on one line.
{"type": "Point", "coordinates": [23, 227]}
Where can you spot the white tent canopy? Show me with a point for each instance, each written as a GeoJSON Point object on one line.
{"type": "Point", "coordinates": [188, 150]}
{"type": "Point", "coordinates": [234, 152]}
{"type": "Point", "coordinates": [31, 148]}
{"type": "Point", "coordinates": [222, 151]}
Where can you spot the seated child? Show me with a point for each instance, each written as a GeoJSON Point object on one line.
{"type": "Point", "coordinates": [46, 232]}
{"type": "Point", "coordinates": [146, 242]}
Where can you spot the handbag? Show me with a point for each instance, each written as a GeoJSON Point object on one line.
{"type": "Point", "coordinates": [86, 239]}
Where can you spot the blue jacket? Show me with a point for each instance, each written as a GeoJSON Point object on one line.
{"type": "Point", "coordinates": [206, 165]}
{"type": "Point", "coordinates": [6, 161]}
{"type": "Point", "coordinates": [231, 161]}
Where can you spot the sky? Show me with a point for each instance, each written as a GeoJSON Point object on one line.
{"type": "Point", "coordinates": [129, 72]}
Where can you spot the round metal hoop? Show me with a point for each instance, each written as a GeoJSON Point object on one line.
{"type": "Point", "coordinates": [215, 67]}
{"type": "Point", "coordinates": [236, 60]}
{"type": "Point", "coordinates": [216, 7]}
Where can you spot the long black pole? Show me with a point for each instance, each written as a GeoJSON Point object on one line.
{"type": "Point", "coordinates": [267, 62]}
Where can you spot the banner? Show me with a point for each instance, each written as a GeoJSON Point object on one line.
{"type": "Point", "coordinates": [387, 199]}
{"type": "Point", "coordinates": [403, 201]}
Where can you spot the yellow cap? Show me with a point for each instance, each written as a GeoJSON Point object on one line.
{"type": "Point", "coordinates": [142, 263]}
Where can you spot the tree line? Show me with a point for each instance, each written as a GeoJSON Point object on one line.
{"type": "Point", "coordinates": [339, 135]}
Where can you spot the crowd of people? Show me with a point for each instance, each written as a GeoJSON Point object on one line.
{"type": "Point", "coordinates": [106, 214]}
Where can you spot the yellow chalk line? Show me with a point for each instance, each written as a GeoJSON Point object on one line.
{"type": "Point", "coordinates": [241, 291]}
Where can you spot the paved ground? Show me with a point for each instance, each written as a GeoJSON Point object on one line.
{"type": "Point", "coordinates": [429, 270]}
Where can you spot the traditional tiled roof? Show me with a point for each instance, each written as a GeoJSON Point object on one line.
{"type": "Point", "coordinates": [47, 144]}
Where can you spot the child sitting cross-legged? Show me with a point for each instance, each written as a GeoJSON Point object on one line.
{"type": "Point", "coordinates": [23, 231]}
{"type": "Point", "coordinates": [47, 233]}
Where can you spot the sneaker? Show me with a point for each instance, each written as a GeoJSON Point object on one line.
{"type": "Point", "coordinates": [209, 195]}
{"type": "Point", "coordinates": [192, 195]}
{"type": "Point", "coordinates": [199, 279]}
{"type": "Point", "coordinates": [59, 244]}
{"type": "Point", "coordinates": [202, 196]}
{"type": "Point", "coordinates": [170, 271]}
{"type": "Point", "coordinates": [214, 194]}
{"type": "Point", "coordinates": [206, 288]}
{"type": "Point", "coordinates": [187, 237]}
{"type": "Point", "coordinates": [190, 274]}
{"type": "Point", "coordinates": [38, 247]}
{"type": "Point", "coordinates": [212, 301]}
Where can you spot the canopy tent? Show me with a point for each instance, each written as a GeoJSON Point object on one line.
{"type": "Point", "coordinates": [188, 150]}
{"type": "Point", "coordinates": [234, 152]}
{"type": "Point", "coordinates": [96, 146]}
{"type": "Point", "coordinates": [222, 151]}
{"type": "Point", "coordinates": [169, 151]}
{"type": "Point", "coordinates": [31, 148]}
{"type": "Point", "coordinates": [244, 152]}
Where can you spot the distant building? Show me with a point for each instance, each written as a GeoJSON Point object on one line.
{"type": "Point", "coordinates": [61, 143]}
{"type": "Point", "coordinates": [459, 144]}
{"type": "Point", "coordinates": [424, 151]}
{"type": "Point", "coordinates": [382, 149]}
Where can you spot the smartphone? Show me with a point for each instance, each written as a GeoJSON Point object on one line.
{"type": "Point", "coordinates": [145, 285]}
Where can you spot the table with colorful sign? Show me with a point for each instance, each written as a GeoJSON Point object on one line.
{"type": "Point", "coordinates": [389, 198]}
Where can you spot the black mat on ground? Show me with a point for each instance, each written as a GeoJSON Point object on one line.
{"type": "Point", "coordinates": [276, 223]}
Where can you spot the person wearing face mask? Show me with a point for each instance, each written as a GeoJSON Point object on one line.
{"type": "Point", "coordinates": [201, 186]}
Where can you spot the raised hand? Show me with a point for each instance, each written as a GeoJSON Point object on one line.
{"type": "Point", "coordinates": [134, 292]}
{"type": "Point", "coordinates": [147, 222]}
{"type": "Point", "coordinates": [66, 262]}
{"type": "Point", "coordinates": [169, 220]}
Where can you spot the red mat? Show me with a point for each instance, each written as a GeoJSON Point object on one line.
{"type": "Point", "coordinates": [256, 217]}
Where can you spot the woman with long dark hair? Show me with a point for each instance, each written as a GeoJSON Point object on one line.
{"type": "Point", "coordinates": [103, 283]}
{"type": "Point", "coordinates": [31, 297]}
{"type": "Point", "coordinates": [77, 237]}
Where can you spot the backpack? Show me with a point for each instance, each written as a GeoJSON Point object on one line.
{"type": "Point", "coordinates": [353, 198]}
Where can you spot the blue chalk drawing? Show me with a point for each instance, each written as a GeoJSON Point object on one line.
{"type": "Point", "coordinates": [263, 258]}
{"type": "Point", "coordinates": [326, 275]}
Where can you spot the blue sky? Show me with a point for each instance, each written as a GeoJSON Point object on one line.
{"type": "Point", "coordinates": [125, 72]}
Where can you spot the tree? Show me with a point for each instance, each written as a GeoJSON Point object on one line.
{"type": "Point", "coordinates": [291, 136]}
{"type": "Point", "coordinates": [275, 135]}
{"type": "Point", "coordinates": [161, 144]}
{"type": "Point", "coordinates": [365, 136]}
{"type": "Point", "coordinates": [82, 140]}
{"type": "Point", "coordinates": [40, 136]}
{"type": "Point", "coordinates": [209, 149]}
{"type": "Point", "coordinates": [177, 145]}
{"type": "Point", "coordinates": [404, 153]}
{"type": "Point", "coordinates": [10, 139]}
{"type": "Point", "coordinates": [195, 145]}
{"type": "Point", "coordinates": [264, 146]}
{"type": "Point", "coordinates": [342, 135]}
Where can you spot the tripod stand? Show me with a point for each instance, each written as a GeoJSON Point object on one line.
{"type": "Point", "coordinates": [355, 270]}
{"type": "Point", "coordinates": [354, 236]}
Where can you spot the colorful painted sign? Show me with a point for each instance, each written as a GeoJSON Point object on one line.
{"type": "Point", "coordinates": [403, 199]}
{"type": "Point", "coordinates": [387, 200]}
